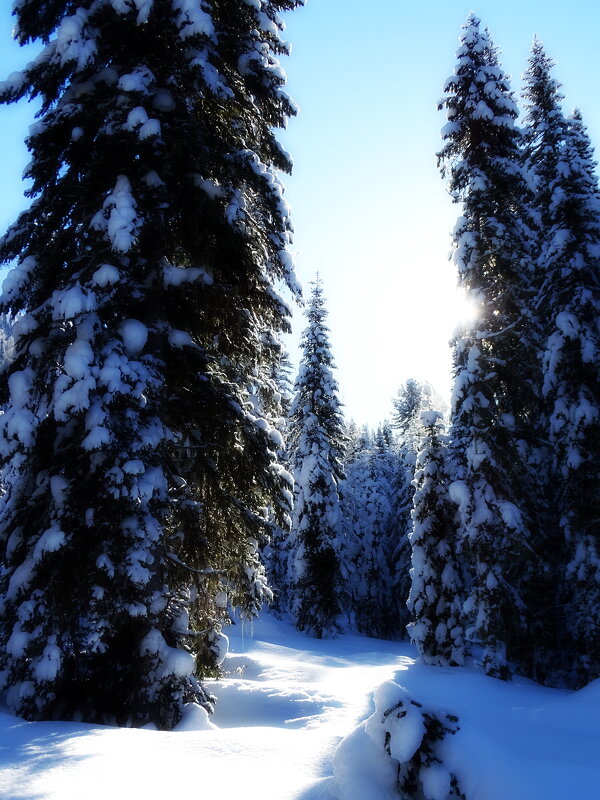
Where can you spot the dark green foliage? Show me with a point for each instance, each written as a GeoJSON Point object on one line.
{"type": "Point", "coordinates": [569, 301]}
{"type": "Point", "coordinates": [560, 159]}
{"type": "Point", "coordinates": [137, 440]}
{"type": "Point", "coordinates": [496, 368]}
{"type": "Point", "coordinates": [544, 132]}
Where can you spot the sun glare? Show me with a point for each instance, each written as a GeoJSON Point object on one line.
{"type": "Point", "coordinates": [463, 308]}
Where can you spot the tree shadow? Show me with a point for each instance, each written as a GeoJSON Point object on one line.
{"type": "Point", "coordinates": [28, 749]}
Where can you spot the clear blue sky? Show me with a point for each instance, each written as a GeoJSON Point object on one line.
{"type": "Point", "coordinates": [370, 210]}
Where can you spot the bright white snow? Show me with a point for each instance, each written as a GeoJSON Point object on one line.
{"type": "Point", "coordinates": [283, 708]}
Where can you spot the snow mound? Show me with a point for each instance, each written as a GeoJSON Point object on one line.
{"type": "Point", "coordinates": [195, 718]}
{"type": "Point", "coordinates": [516, 740]}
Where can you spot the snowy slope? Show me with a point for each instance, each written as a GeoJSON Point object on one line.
{"type": "Point", "coordinates": [281, 713]}
{"type": "Point", "coordinates": [283, 709]}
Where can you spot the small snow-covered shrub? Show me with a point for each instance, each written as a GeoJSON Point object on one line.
{"type": "Point", "coordinates": [401, 747]}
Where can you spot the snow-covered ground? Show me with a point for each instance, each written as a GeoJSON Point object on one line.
{"type": "Point", "coordinates": [516, 741]}
{"type": "Point", "coordinates": [283, 708]}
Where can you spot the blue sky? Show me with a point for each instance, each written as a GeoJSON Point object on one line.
{"type": "Point", "coordinates": [370, 210]}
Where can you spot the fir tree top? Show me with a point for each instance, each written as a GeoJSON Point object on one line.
{"type": "Point", "coordinates": [481, 114]}
{"type": "Point", "coordinates": [545, 129]}
{"type": "Point", "coordinates": [542, 96]}
{"type": "Point", "coordinates": [316, 405]}
{"type": "Point", "coordinates": [482, 160]}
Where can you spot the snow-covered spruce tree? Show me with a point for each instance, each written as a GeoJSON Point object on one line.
{"type": "Point", "coordinates": [138, 465]}
{"type": "Point", "coordinates": [385, 440]}
{"type": "Point", "coordinates": [570, 302]}
{"type": "Point", "coordinates": [494, 360]}
{"type": "Point", "coordinates": [275, 553]}
{"type": "Point", "coordinates": [413, 397]}
{"type": "Point", "coordinates": [544, 133]}
{"type": "Point", "coordinates": [358, 441]}
{"type": "Point", "coordinates": [317, 442]}
{"type": "Point", "coordinates": [435, 595]}
{"type": "Point", "coordinates": [545, 129]}
{"type": "Point", "coordinates": [412, 736]}
{"type": "Point", "coordinates": [354, 442]}
{"type": "Point", "coordinates": [367, 502]}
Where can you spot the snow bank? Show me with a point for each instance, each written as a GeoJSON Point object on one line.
{"type": "Point", "coordinates": [397, 751]}
{"type": "Point", "coordinates": [513, 741]}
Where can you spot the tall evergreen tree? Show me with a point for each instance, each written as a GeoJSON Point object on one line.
{"type": "Point", "coordinates": [354, 441]}
{"type": "Point", "coordinates": [276, 551]}
{"type": "Point", "coordinates": [560, 159]}
{"type": "Point", "coordinates": [544, 133]}
{"type": "Point", "coordinates": [570, 301]}
{"type": "Point", "coordinates": [493, 360]}
{"type": "Point", "coordinates": [413, 397]}
{"type": "Point", "coordinates": [138, 464]}
{"type": "Point", "coordinates": [545, 129]}
{"type": "Point", "coordinates": [317, 441]}
{"type": "Point", "coordinates": [436, 588]}
{"type": "Point", "coordinates": [367, 499]}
